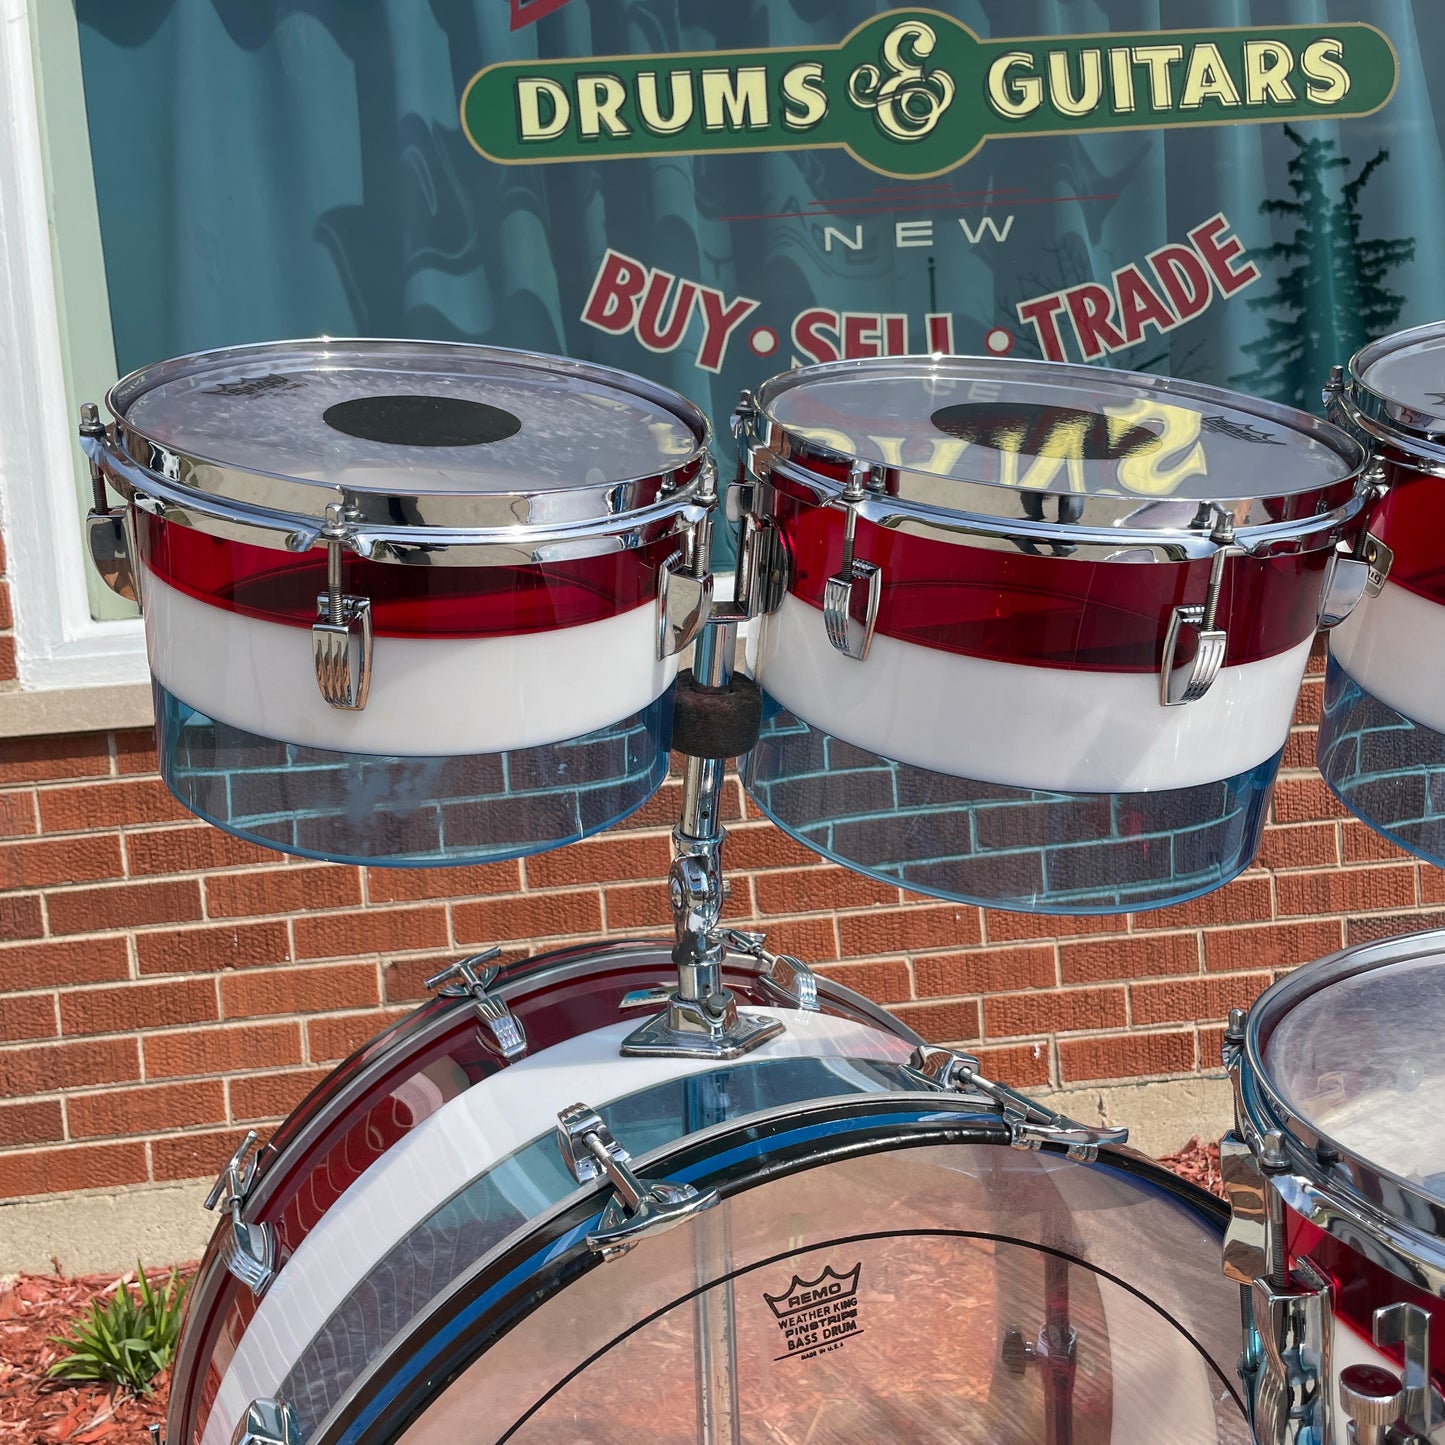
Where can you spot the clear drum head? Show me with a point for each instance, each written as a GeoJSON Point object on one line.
{"type": "Point", "coordinates": [1358, 1061]}
{"type": "Point", "coordinates": [412, 433]}
{"type": "Point", "coordinates": [902, 1293]}
{"type": "Point", "coordinates": [953, 429]}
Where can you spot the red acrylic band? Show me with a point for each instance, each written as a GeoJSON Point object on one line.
{"type": "Point", "coordinates": [1407, 520]}
{"type": "Point", "coordinates": [1046, 610]}
{"type": "Point", "coordinates": [406, 600]}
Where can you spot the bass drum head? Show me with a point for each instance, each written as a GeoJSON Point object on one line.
{"type": "Point", "coordinates": [876, 1271]}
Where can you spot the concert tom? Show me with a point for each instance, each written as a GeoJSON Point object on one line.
{"type": "Point", "coordinates": [404, 601]}
{"type": "Point", "coordinates": [489, 1224]}
{"type": "Point", "coordinates": [1032, 633]}
{"type": "Point", "coordinates": [1382, 738]}
{"type": "Point", "coordinates": [1336, 1178]}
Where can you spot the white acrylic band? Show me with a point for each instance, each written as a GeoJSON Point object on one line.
{"type": "Point", "coordinates": [461, 1142]}
{"type": "Point", "coordinates": [430, 696]}
{"type": "Point", "coordinates": [1026, 727]}
{"type": "Point", "coordinates": [1390, 645]}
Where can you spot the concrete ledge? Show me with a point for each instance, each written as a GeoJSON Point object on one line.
{"type": "Point", "coordinates": [54, 712]}
{"type": "Point", "coordinates": [92, 1233]}
{"type": "Point", "coordinates": [1161, 1117]}
{"type": "Point", "coordinates": [165, 1224]}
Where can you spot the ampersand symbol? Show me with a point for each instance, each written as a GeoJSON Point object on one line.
{"type": "Point", "coordinates": [908, 104]}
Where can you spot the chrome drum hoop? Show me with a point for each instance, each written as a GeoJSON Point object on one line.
{"type": "Point", "coordinates": [420, 546]}
{"type": "Point", "coordinates": [1093, 543]}
{"type": "Point", "coordinates": [1419, 436]}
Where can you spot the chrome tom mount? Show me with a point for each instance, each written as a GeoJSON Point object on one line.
{"type": "Point", "coordinates": [717, 717]}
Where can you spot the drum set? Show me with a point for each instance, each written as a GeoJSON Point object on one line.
{"type": "Point", "coordinates": [1023, 634]}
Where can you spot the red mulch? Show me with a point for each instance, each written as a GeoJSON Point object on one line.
{"type": "Point", "coordinates": [38, 1411]}
{"type": "Point", "coordinates": [1199, 1164]}
{"type": "Point", "coordinates": [35, 1410]}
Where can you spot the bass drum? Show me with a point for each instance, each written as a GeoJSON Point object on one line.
{"type": "Point", "coordinates": [858, 1254]}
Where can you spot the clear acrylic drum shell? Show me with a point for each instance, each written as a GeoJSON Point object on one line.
{"type": "Point", "coordinates": [500, 559]}
{"type": "Point", "coordinates": [943, 761]}
{"type": "Point", "coordinates": [394, 1083]}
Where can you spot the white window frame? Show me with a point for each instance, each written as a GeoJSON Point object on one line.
{"type": "Point", "coordinates": [58, 643]}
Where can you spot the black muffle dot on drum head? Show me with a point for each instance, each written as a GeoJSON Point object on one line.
{"type": "Point", "coordinates": [422, 421]}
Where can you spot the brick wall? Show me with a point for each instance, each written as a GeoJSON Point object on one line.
{"type": "Point", "coordinates": [164, 986]}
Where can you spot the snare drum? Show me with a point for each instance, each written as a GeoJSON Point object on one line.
{"type": "Point", "coordinates": [1382, 737]}
{"type": "Point", "coordinates": [1336, 1176]}
{"type": "Point", "coordinates": [1033, 632]}
{"type": "Point", "coordinates": [402, 598]}
{"type": "Point", "coordinates": [470, 1244]}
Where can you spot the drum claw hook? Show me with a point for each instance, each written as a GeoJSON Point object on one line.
{"type": "Point", "coordinates": [1189, 682]}
{"type": "Point", "coordinates": [341, 635]}
{"type": "Point", "coordinates": [591, 1152]}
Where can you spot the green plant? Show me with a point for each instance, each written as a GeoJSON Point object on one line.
{"type": "Point", "coordinates": [127, 1340]}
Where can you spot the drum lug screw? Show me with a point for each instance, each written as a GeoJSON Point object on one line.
{"type": "Point", "coordinates": [744, 414]}
{"type": "Point", "coordinates": [341, 635]}
{"type": "Point", "coordinates": [501, 1029]}
{"type": "Point", "coordinates": [1333, 387]}
{"type": "Point", "coordinates": [1408, 1326]}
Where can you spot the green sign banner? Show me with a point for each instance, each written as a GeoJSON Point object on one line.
{"type": "Point", "coordinates": [913, 93]}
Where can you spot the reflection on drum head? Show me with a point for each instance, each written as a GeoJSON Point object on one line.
{"type": "Point", "coordinates": [1045, 431]}
{"type": "Point", "coordinates": [422, 421]}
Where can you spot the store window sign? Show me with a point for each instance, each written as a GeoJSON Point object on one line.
{"type": "Point", "coordinates": [914, 93]}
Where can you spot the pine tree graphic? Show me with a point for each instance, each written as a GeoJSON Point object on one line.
{"type": "Point", "coordinates": [1334, 298]}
